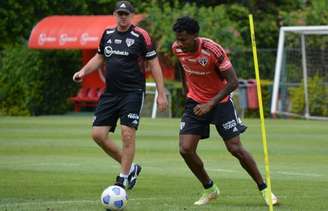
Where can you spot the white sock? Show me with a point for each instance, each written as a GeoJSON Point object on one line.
{"type": "Point", "coordinates": [132, 167]}
{"type": "Point", "coordinates": [124, 175]}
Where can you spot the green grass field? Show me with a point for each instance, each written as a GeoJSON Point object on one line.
{"type": "Point", "coordinates": [51, 163]}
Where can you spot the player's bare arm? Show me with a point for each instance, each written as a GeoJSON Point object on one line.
{"type": "Point", "coordinates": [232, 84]}
{"type": "Point", "coordinates": [157, 74]}
{"type": "Point", "coordinates": [91, 66]}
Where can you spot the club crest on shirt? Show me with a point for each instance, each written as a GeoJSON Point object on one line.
{"type": "Point", "coordinates": [203, 61]}
{"type": "Point", "coordinates": [129, 42]}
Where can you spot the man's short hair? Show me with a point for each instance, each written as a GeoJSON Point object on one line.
{"type": "Point", "coordinates": [187, 24]}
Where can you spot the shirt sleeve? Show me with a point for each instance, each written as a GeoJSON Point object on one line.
{"type": "Point", "coordinates": [149, 49]}
{"type": "Point", "coordinates": [173, 48]}
{"type": "Point", "coordinates": [222, 60]}
{"type": "Point", "coordinates": [101, 44]}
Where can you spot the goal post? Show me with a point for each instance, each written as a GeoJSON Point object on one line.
{"type": "Point", "coordinates": [150, 102]}
{"type": "Point", "coordinates": [302, 60]}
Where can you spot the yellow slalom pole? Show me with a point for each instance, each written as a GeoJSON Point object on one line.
{"type": "Point", "coordinates": [259, 95]}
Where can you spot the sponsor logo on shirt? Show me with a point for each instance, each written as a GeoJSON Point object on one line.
{"type": "Point", "coordinates": [109, 51]}
{"type": "Point", "coordinates": [195, 72]}
{"type": "Point", "coordinates": [117, 41]}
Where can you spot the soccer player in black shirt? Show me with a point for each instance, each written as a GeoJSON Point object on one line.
{"type": "Point", "coordinates": [124, 50]}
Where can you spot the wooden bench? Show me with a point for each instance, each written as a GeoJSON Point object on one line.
{"type": "Point", "coordinates": [86, 97]}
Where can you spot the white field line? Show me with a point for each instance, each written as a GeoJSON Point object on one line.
{"type": "Point", "coordinates": [24, 165]}
{"type": "Point", "coordinates": [48, 202]}
{"type": "Point", "coordinates": [288, 173]}
{"type": "Point", "coordinates": [223, 170]}
{"type": "Point", "coordinates": [140, 199]}
{"type": "Point", "coordinates": [276, 172]}
{"type": "Point", "coordinates": [298, 174]}
{"type": "Point", "coordinates": [6, 205]}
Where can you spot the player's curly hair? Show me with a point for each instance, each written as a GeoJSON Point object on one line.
{"type": "Point", "coordinates": [187, 24]}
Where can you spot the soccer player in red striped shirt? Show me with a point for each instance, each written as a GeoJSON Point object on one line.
{"type": "Point", "coordinates": [209, 79]}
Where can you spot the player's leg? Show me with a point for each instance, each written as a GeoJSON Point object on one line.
{"type": "Point", "coordinates": [131, 105]}
{"type": "Point", "coordinates": [100, 136]}
{"type": "Point", "coordinates": [188, 146]}
{"type": "Point", "coordinates": [104, 121]}
{"type": "Point", "coordinates": [128, 135]}
{"type": "Point", "coordinates": [192, 129]}
{"type": "Point", "coordinates": [235, 147]}
{"type": "Point", "coordinates": [230, 127]}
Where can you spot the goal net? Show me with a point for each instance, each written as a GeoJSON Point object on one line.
{"type": "Point", "coordinates": [300, 85]}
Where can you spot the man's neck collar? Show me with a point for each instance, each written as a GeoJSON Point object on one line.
{"type": "Point", "coordinates": [123, 29]}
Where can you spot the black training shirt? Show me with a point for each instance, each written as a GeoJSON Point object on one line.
{"type": "Point", "coordinates": [125, 53]}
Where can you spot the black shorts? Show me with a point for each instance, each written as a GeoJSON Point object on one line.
{"type": "Point", "coordinates": [223, 116]}
{"type": "Point", "coordinates": [126, 106]}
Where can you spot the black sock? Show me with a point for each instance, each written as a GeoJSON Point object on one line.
{"type": "Point", "coordinates": [208, 185]}
{"type": "Point", "coordinates": [262, 186]}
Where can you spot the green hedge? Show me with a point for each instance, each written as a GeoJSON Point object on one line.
{"type": "Point", "coordinates": [178, 97]}
{"type": "Point", "coordinates": [36, 82]}
{"type": "Point", "coordinates": [318, 97]}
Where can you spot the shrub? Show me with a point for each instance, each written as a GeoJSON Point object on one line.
{"type": "Point", "coordinates": [318, 97]}
{"type": "Point", "coordinates": [36, 82]}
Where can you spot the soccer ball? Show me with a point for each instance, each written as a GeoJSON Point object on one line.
{"type": "Point", "coordinates": [114, 198]}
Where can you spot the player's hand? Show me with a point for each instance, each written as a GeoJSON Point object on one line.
{"type": "Point", "coordinates": [162, 102]}
{"type": "Point", "coordinates": [78, 76]}
{"type": "Point", "coordinates": [202, 109]}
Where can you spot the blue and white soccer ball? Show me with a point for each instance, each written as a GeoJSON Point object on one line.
{"type": "Point", "coordinates": [114, 198]}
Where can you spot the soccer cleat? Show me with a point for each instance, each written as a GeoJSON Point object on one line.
{"type": "Point", "coordinates": [208, 195]}
{"type": "Point", "coordinates": [132, 178]}
{"type": "Point", "coordinates": [266, 195]}
{"type": "Point", "coordinates": [120, 181]}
